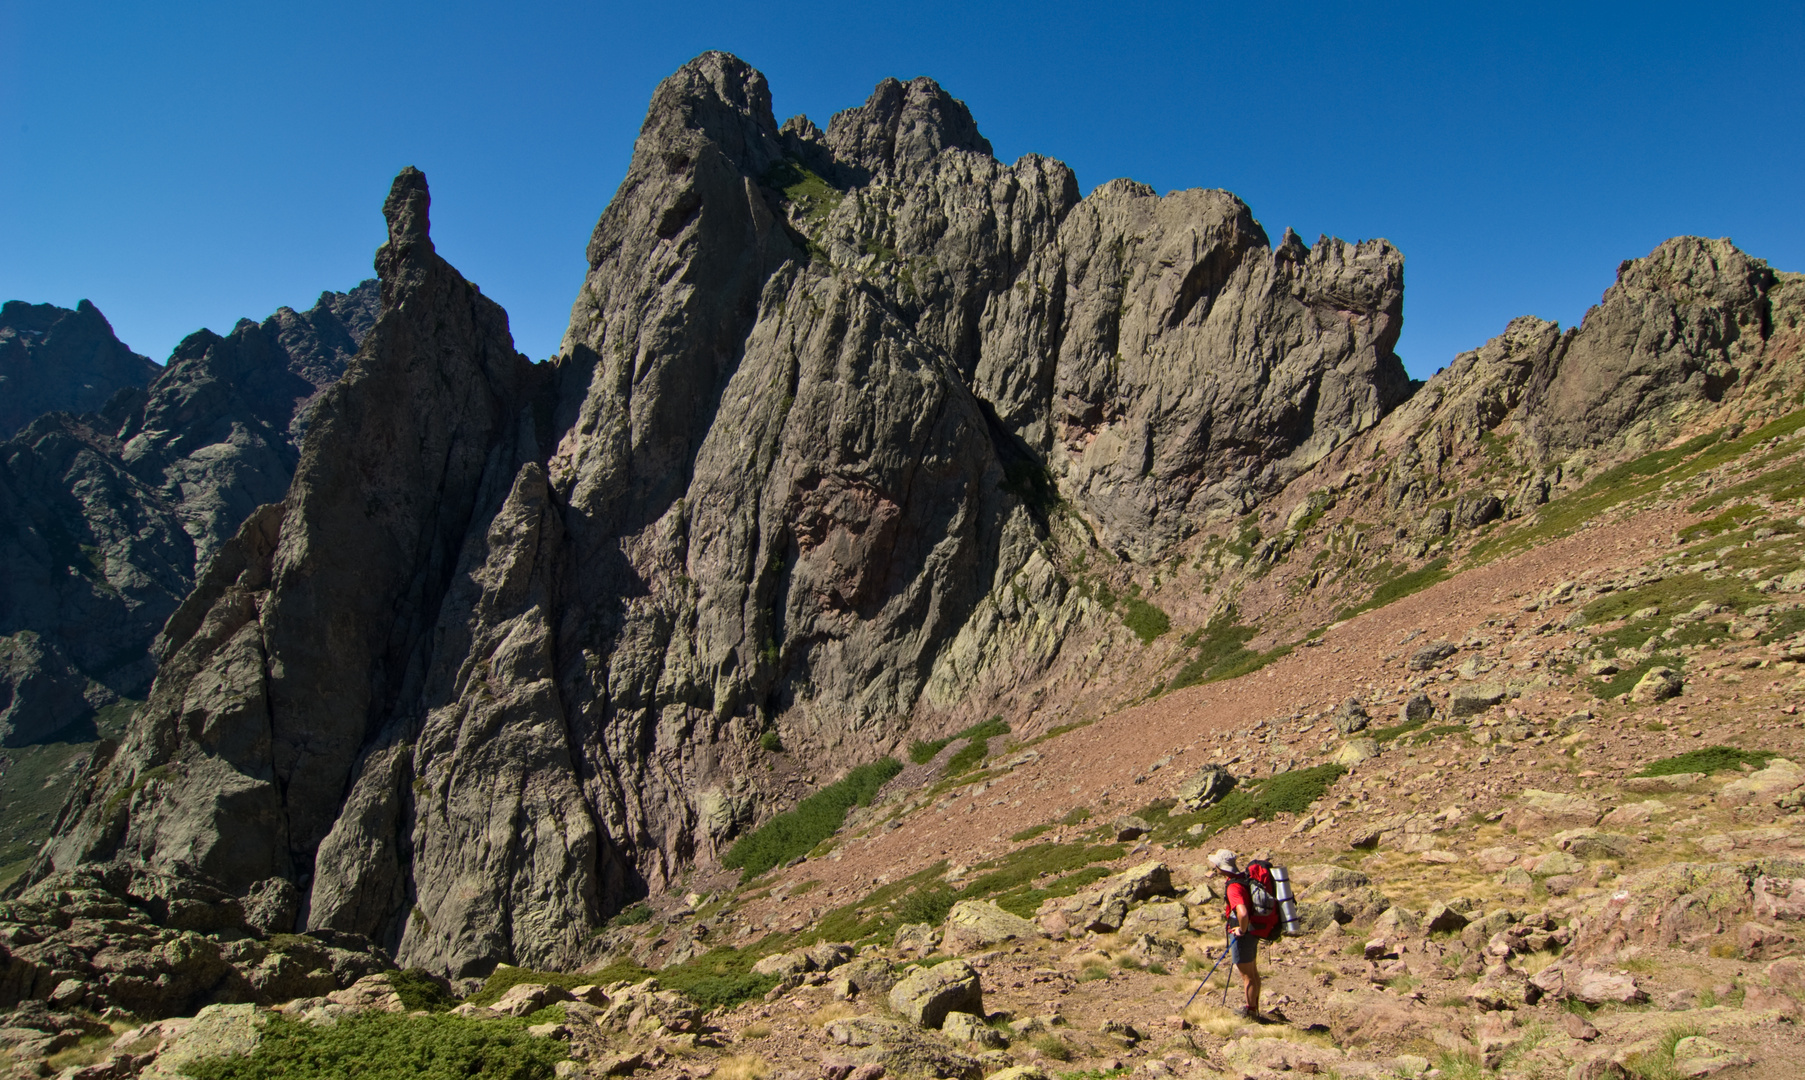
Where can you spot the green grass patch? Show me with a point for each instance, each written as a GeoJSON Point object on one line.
{"type": "Point", "coordinates": [1734, 518]}
{"type": "Point", "coordinates": [720, 978]}
{"type": "Point", "coordinates": [1222, 652]}
{"type": "Point", "coordinates": [923, 752]}
{"type": "Point", "coordinates": [1145, 619]}
{"type": "Point", "coordinates": [813, 197]}
{"type": "Point", "coordinates": [1711, 759]}
{"type": "Point", "coordinates": [1030, 833]}
{"type": "Point", "coordinates": [1288, 792]}
{"type": "Point", "coordinates": [1778, 483]}
{"type": "Point", "coordinates": [434, 1047]}
{"type": "Point", "coordinates": [794, 833]}
{"type": "Point", "coordinates": [1636, 478]}
{"type": "Point", "coordinates": [1386, 734]}
{"type": "Point", "coordinates": [1397, 588]}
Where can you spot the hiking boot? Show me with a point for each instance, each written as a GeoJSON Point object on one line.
{"type": "Point", "coordinates": [1246, 1013]}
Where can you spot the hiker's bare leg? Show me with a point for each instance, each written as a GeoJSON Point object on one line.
{"type": "Point", "coordinates": [1250, 978]}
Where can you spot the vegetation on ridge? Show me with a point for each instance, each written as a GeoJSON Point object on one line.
{"type": "Point", "coordinates": [793, 833]}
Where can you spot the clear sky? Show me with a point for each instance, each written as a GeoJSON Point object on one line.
{"type": "Point", "coordinates": [184, 164]}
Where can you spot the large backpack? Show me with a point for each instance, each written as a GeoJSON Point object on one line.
{"type": "Point", "coordinates": [1262, 899]}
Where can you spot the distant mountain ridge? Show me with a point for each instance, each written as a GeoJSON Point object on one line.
{"type": "Point", "coordinates": [106, 516]}
{"type": "Point", "coordinates": [53, 359]}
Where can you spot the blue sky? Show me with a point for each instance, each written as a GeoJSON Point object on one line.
{"type": "Point", "coordinates": [186, 164]}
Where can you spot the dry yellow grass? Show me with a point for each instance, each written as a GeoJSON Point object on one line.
{"type": "Point", "coordinates": [756, 1031]}
{"type": "Point", "coordinates": [833, 1010]}
{"type": "Point", "coordinates": [742, 1067]}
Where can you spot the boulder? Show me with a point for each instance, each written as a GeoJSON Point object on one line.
{"type": "Point", "coordinates": [1205, 787]}
{"type": "Point", "coordinates": [785, 964]}
{"type": "Point", "coordinates": [1655, 785]}
{"type": "Point", "coordinates": [828, 955]}
{"type": "Point", "coordinates": [1019, 1072]}
{"type": "Point", "coordinates": [868, 975]}
{"type": "Point", "coordinates": [1354, 751]}
{"type": "Point", "coordinates": [1502, 988]}
{"type": "Point", "coordinates": [1781, 898]}
{"type": "Point", "coordinates": [1587, 844]}
{"type": "Point", "coordinates": [884, 1045]}
{"type": "Point", "coordinates": [1396, 922]}
{"type": "Point", "coordinates": [216, 1031]}
{"type": "Point", "coordinates": [1696, 1056]}
{"type": "Point", "coordinates": [1153, 949]}
{"type": "Point", "coordinates": [926, 996]}
{"type": "Point", "coordinates": [1604, 987]}
{"type": "Point", "coordinates": [1129, 827]}
{"type": "Point", "coordinates": [1313, 918]}
{"type": "Point", "coordinates": [916, 937]}
{"type": "Point", "coordinates": [967, 1028]}
{"type": "Point", "coordinates": [1473, 699]}
{"type": "Point", "coordinates": [979, 924]}
{"type": "Point", "coordinates": [523, 998]}
{"type": "Point", "coordinates": [1659, 684]}
{"type": "Point", "coordinates": [1416, 707]}
{"type": "Point", "coordinates": [1553, 809]}
{"type": "Point", "coordinates": [1163, 918]}
{"type": "Point", "coordinates": [1765, 785]}
{"type": "Point", "coordinates": [1558, 863]}
{"type": "Point", "coordinates": [1430, 656]}
{"type": "Point", "coordinates": [1350, 716]}
{"type": "Point", "coordinates": [1327, 878]}
{"type": "Point", "coordinates": [1440, 918]}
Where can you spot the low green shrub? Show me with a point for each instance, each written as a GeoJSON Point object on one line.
{"type": "Point", "coordinates": [418, 990]}
{"type": "Point", "coordinates": [794, 833]}
{"type": "Point", "coordinates": [632, 915]}
{"type": "Point", "coordinates": [923, 752]}
{"type": "Point", "coordinates": [720, 978]}
{"type": "Point", "coordinates": [771, 742]}
{"type": "Point", "coordinates": [1711, 759]}
{"type": "Point", "coordinates": [1146, 620]}
{"type": "Point", "coordinates": [378, 1044]}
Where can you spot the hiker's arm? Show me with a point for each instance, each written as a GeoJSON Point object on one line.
{"type": "Point", "coordinates": [1240, 918]}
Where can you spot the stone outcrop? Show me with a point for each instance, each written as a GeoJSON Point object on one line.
{"type": "Point", "coordinates": [56, 360]}
{"type": "Point", "coordinates": [107, 517]}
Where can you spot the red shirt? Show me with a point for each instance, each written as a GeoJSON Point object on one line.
{"type": "Point", "coordinates": [1237, 895]}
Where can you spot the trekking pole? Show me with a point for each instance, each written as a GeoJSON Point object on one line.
{"type": "Point", "coordinates": [1206, 979]}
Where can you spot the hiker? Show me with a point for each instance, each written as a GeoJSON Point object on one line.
{"type": "Point", "coordinates": [1243, 942]}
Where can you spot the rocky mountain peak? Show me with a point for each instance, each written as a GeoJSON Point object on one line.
{"type": "Point", "coordinates": [902, 127]}
{"type": "Point", "coordinates": [53, 359]}
{"type": "Point", "coordinates": [406, 210]}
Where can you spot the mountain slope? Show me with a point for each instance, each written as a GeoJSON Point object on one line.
{"type": "Point", "coordinates": [832, 410]}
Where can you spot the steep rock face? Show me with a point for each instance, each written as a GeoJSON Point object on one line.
{"type": "Point", "coordinates": [329, 621]}
{"type": "Point", "coordinates": [105, 517]}
{"type": "Point", "coordinates": [56, 360]}
{"type": "Point", "coordinates": [1693, 327]}
{"type": "Point", "coordinates": [501, 656]}
{"type": "Point", "coordinates": [1678, 329]}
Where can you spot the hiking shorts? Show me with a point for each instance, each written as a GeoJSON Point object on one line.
{"type": "Point", "coordinates": [1243, 948]}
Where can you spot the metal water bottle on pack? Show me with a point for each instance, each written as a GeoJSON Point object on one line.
{"type": "Point", "coordinates": [1281, 891]}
